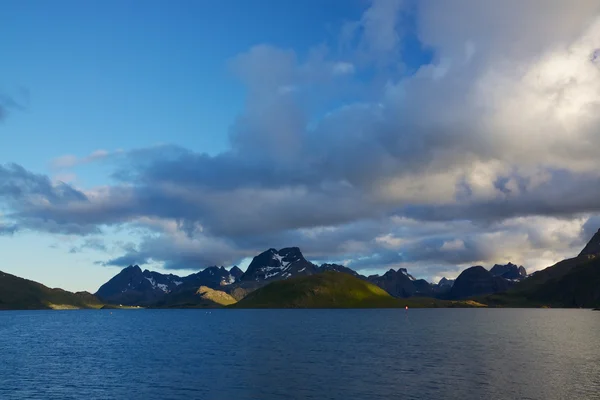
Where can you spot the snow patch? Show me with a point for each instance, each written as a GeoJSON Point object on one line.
{"type": "Point", "coordinates": [163, 287]}
{"type": "Point", "coordinates": [267, 276]}
{"type": "Point", "coordinates": [228, 281]}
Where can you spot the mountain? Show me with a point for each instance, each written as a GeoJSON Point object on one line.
{"type": "Point", "coordinates": [131, 286]}
{"type": "Point", "coordinates": [477, 281]}
{"type": "Point", "coordinates": [22, 294]}
{"type": "Point", "coordinates": [574, 282]}
{"type": "Point", "coordinates": [213, 277]}
{"type": "Point", "coordinates": [334, 290]}
{"type": "Point", "coordinates": [203, 297]}
{"type": "Point", "coordinates": [445, 283]}
{"type": "Point", "coordinates": [340, 268]}
{"type": "Point", "coordinates": [236, 272]}
{"type": "Point", "coordinates": [275, 264]}
{"type": "Point", "coordinates": [509, 271]}
{"type": "Point", "coordinates": [325, 290]}
{"type": "Point", "coordinates": [592, 248]}
{"type": "Point", "coordinates": [397, 283]}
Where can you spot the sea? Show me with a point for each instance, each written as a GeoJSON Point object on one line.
{"type": "Point", "coordinates": [300, 354]}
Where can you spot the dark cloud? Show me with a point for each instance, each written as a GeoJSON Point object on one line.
{"type": "Point", "coordinates": [19, 185]}
{"type": "Point", "coordinates": [126, 260]}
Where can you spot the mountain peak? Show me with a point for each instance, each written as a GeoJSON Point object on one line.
{"type": "Point", "coordinates": [278, 264]}
{"type": "Point", "coordinates": [592, 248]}
{"type": "Point", "coordinates": [236, 272]}
{"type": "Point", "coordinates": [132, 268]}
{"type": "Point", "coordinates": [475, 281]}
{"type": "Point", "coordinates": [509, 271]}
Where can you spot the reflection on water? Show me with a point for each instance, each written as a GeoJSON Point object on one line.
{"type": "Point", "coordinates": [300, 354]}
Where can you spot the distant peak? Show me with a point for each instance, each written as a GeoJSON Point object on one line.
{"type": "Point", "coordinates": [593, 246]}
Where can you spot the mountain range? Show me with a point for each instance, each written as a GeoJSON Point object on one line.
{"type": "Point", "coordinates": [573, 282]}
{"type": "Point", "coordinates": [134, 287]}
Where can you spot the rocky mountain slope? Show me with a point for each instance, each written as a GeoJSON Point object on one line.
{"type": "Point", "coordinates": [509, 271]}
{"type": "Point", "coordinates": [132, 286]}
{"type": "Point", "coordinates": [275, 264]}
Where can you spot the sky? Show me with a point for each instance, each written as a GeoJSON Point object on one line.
{"type": "Point", "coordinates": [430, 135]}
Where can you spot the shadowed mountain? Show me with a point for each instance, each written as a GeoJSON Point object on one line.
{"type": "Point", "coordinates": [22, 294]}
{"type": "Point", "coordinates": [400, 283]}
{"type": "Point", "coordinates": [444, 285]}
{"type": "Point", "coordinates": [236, 272]}
{"type": "Point", "coordinates": [476, 281]}
{"type": "Point", "coordinates": [340, 268]}
{"type": "Point", "coordinates": [574, 282]}
{"type": "Point", "coordinates": [592, 248]}
{"type": "Point", "coordinates": [509, 271]}
{"type": "Point", "coordinates": [131, 286]}
{"type": "Point", "coordinates": [275, 264]}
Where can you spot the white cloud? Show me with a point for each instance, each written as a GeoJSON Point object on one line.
{"type": "Point", "coordinates": [453, 245]}
{"type": "Point", "coordinates": [343, 68]}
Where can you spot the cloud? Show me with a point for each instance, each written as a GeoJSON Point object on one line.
{"type": "Point", "coordinates": [91, 243]}
{"type": "Point", "coordinates": [375, 38]}
{"type": "Point", "coordinates": [473, 158]}
{"type": "Point", "coordinates": [70, 161]}
{"type": "Point", "coordinates": [343, 68]}
{"type": "Point", "coordinates": [7, 229]}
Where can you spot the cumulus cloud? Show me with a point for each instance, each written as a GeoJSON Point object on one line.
{"type": "Point", "coordinates": [486, 154]}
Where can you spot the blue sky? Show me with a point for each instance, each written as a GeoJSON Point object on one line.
{"type": "Point", "coordinates": [126, 74]}
{"type": "Point", "coordinates": [374, 133]}
{"type": "Point", "coordinates": [130, 74]}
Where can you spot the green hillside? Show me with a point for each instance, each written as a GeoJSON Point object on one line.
{"type": "Point", "coordinates": [333, 290]}
{"type": "Point", "coordinates": [22, 294]}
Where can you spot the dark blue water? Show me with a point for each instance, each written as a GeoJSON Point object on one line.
{"type": "Point", "coordinates": [300, 354]}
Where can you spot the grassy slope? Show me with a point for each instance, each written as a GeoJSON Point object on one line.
{"type": "Point", "coordinates": [22, 294]}
{"type": "Point", "coordinates": [332, 290]}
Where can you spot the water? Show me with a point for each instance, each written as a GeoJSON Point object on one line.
{"type": "Point", "coordinates": [300, 354]}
